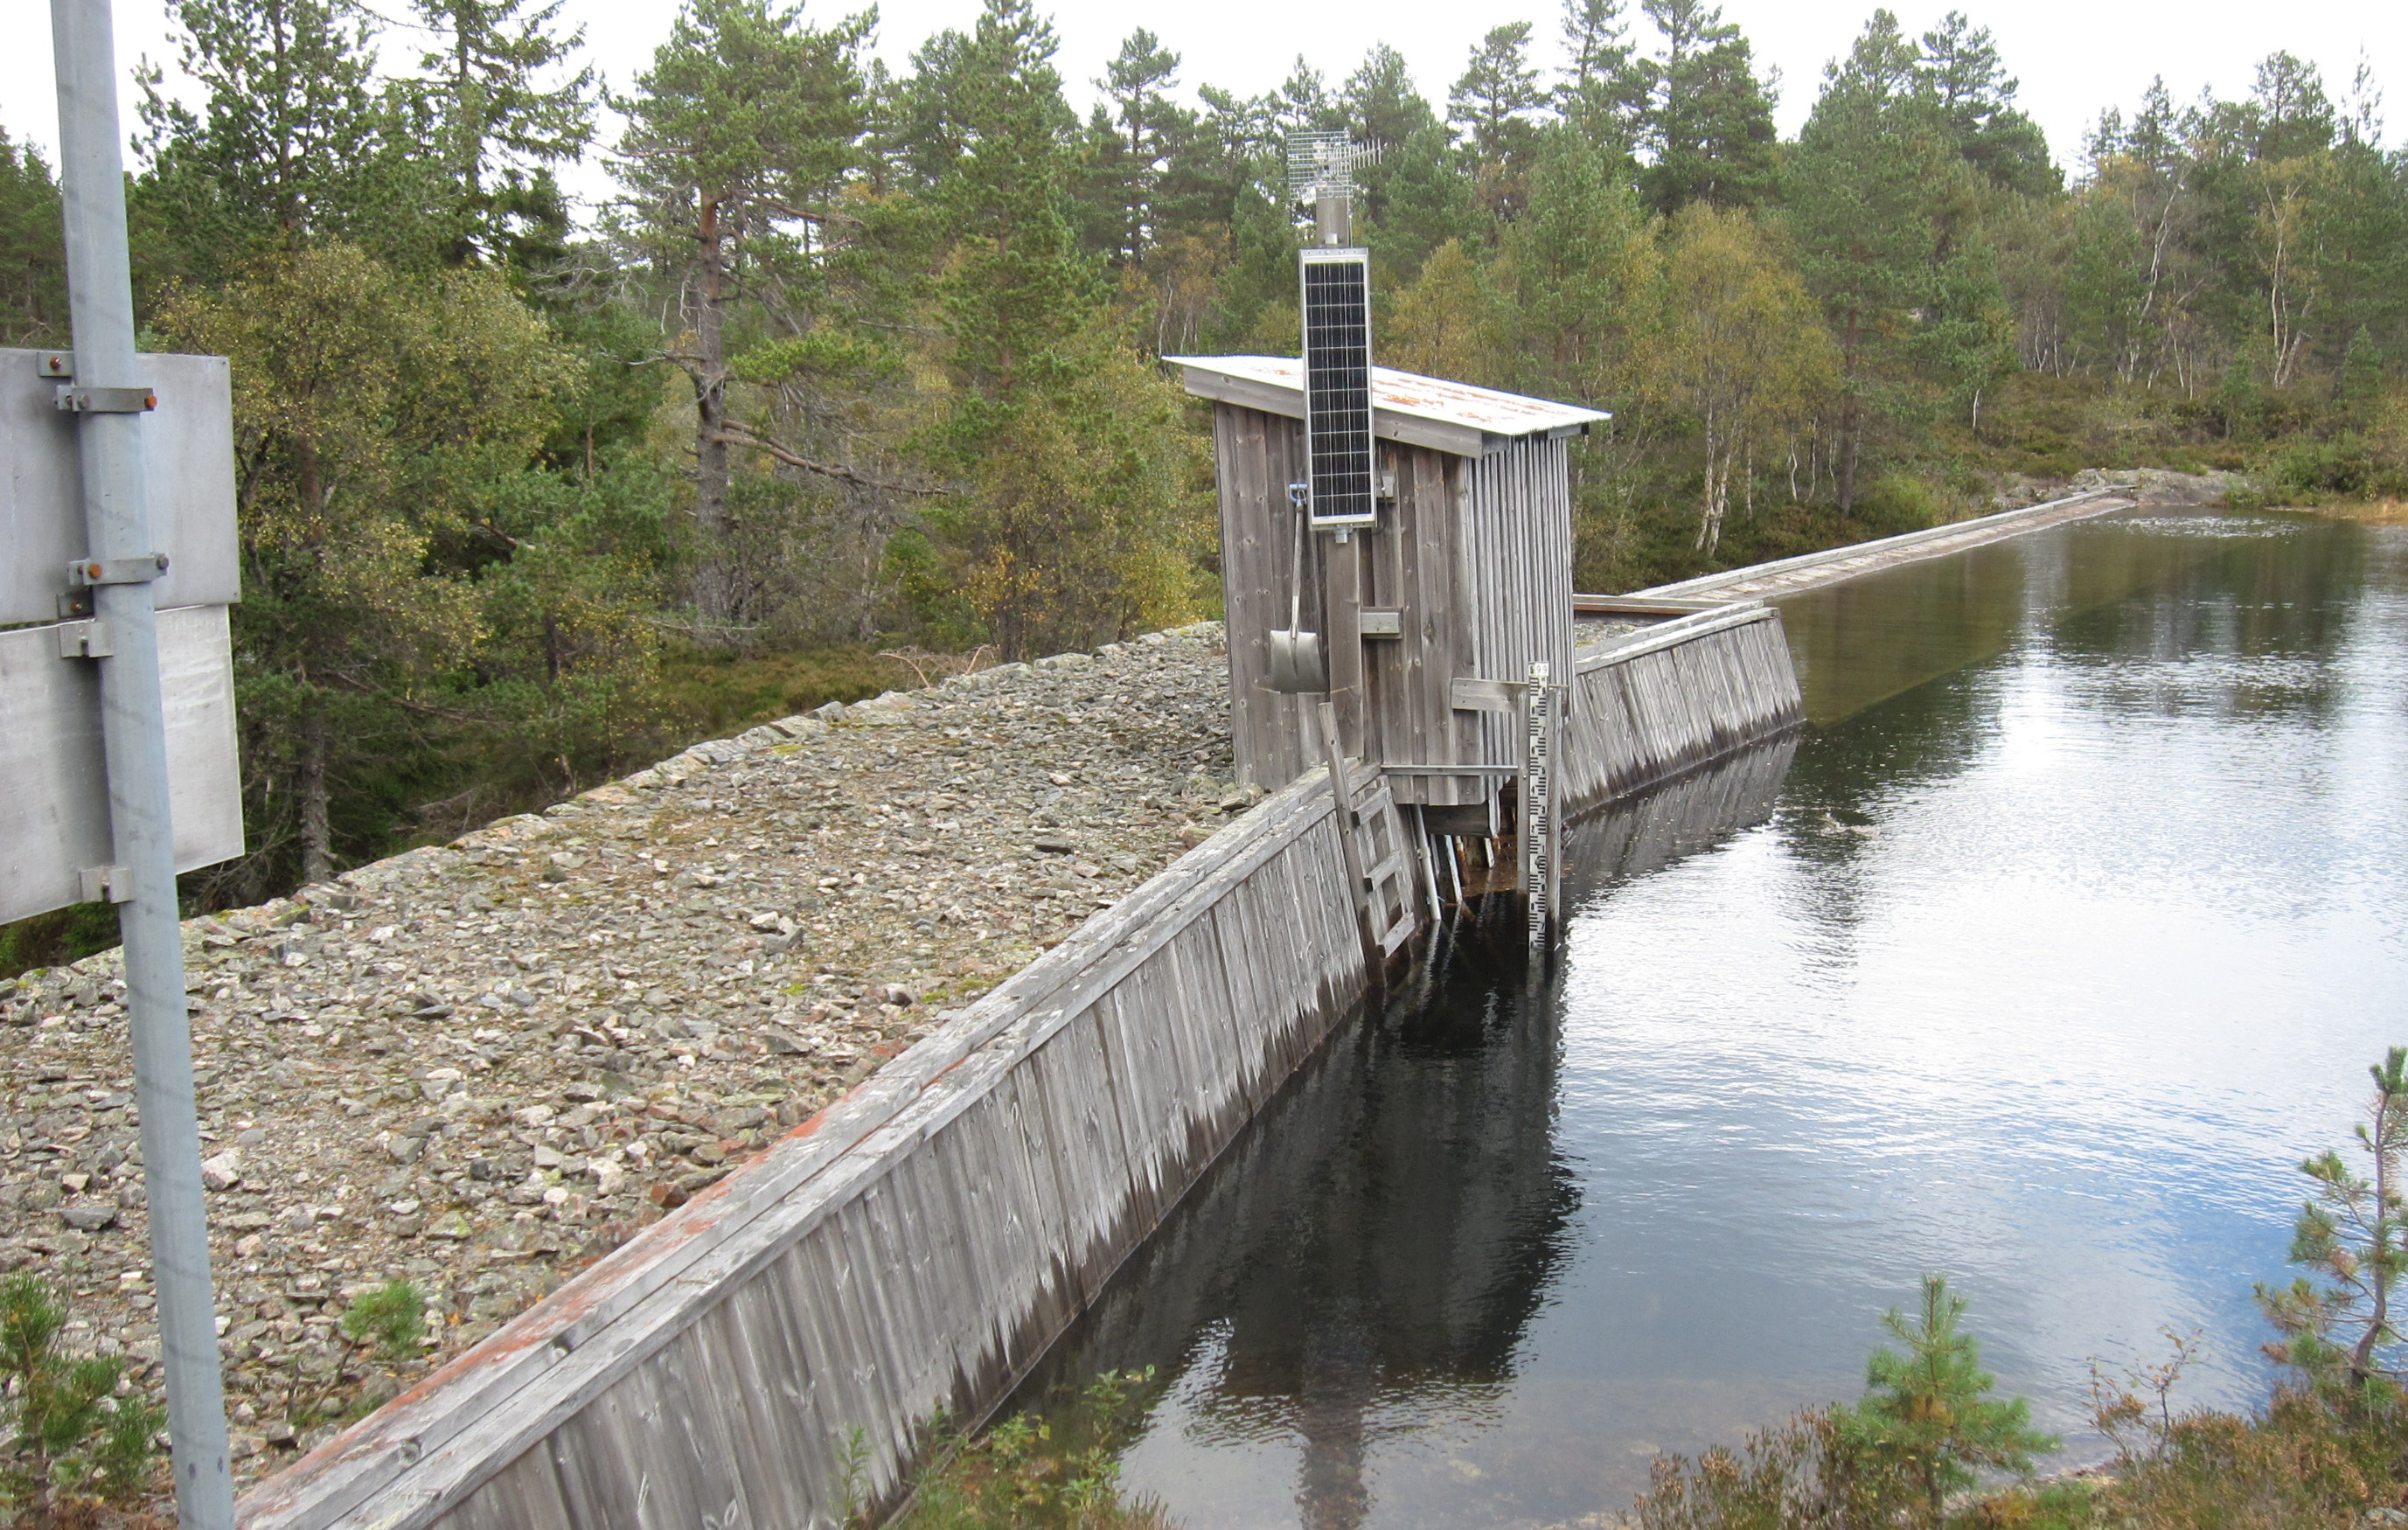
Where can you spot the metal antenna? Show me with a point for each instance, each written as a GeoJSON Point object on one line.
{"type": "Point", "coordinates": [1321, 174]}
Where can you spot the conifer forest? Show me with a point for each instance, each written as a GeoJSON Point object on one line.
{"type": "Point", "coordinates": [860, 361]}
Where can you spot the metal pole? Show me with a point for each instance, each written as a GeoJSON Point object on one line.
{"type": "Point", "coordinates": [133, 737]}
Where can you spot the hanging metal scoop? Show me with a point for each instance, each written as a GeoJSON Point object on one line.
{"type": "Point", "coordinates": [1296, 662]}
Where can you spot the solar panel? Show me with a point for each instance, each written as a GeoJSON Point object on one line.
{"type": "Point", "coordinates": [1338, 386]}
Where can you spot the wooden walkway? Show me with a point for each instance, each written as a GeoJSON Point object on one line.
{"type": "Point", "coordinates": [1789, 576]}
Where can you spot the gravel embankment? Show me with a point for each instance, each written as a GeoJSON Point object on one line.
{"type": "Point", "coordinates": [482, 1065]}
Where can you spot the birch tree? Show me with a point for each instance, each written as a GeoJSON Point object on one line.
{"type": "Point", "coordinates": [1741, 349]}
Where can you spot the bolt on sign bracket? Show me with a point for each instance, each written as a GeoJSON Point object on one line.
{"type": "Point", "coordinates": [87, 641]}
{"type": "Point", "coordinates": [108, 885]}
{"type": "Point", "coordinates": [86, 572]}
{"type": "Point", "coordinates": [76, 399]}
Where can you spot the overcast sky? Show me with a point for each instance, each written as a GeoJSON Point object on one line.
{"type": "Point", "coordinates": [2073, 56]}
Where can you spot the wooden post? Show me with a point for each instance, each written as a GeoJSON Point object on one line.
{"type": "Point", "coordinates": [1538, 880]}
{"type": "Point", "coordinates": [1342, 636]}
{"type": "Point", "coordinates": [1358, 885]}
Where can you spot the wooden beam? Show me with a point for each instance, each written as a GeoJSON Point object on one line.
{"type": "Point", "coordinates": [1476, 695]}
{"type": "Point", "coordinates": [1640, 605]}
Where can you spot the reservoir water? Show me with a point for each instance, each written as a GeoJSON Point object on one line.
{"type": "Point", "coordinates": [2065, 929]}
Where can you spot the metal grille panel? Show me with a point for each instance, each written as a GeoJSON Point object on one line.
{"type": "Point", "coordinates": [1338, 386]}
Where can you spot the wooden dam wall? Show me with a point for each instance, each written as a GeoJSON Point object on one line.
{"type": "Point", "coordinates": [919, 1244]}
{"type": "Point", "coordinates": [914, 1246]}
{"type": "Point", "coordinates": [1652, 704]}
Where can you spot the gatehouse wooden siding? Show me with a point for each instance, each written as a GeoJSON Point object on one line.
{"type": "Point", "coordinates": [1256, 456]}
{"type": "Point", "coordinates": [1520, 519]}
{"type": "Point", "coordinates": [916, 1246]}
{"type": "Point", "coordinates": [1660, 700]}
{"type": "Point", "coordinates": [1474, 555]}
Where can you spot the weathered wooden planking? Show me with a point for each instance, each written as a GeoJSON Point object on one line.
{"type": "Point", "coordinates": [1474, 557]}
{"type": "Point", "coordinates": [1653, 704]}
{"type": "Point", "coordinates": [913, 1247]}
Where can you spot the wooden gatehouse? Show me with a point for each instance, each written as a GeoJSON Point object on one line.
{"type": "Point", "coordinates": [1466, 580]}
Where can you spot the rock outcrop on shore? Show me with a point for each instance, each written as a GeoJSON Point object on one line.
{"type": "Point", "coordinates": [479, 1065]}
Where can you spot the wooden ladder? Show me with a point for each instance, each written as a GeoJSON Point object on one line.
{"type": "Point", "coordinates": [1379, 858]}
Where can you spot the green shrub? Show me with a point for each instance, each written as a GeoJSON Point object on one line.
{"type": "Point", "coordinates": [70, 1436]}
{"type": "Point", "coordinates": [2344, 466]}
{"type": "Point", "coordinates": [1898, 502]}
{"type": "Point", "coordinates": [58, 937]}
{"type": "Point", "coordinates": [1809, 1473]}
{"type": "Point", "coordinates": [392, 1319]}
{"type": "Point", "coordinates": [1029, 1473]}
{"type": "Point", "coordinates": [711, 692]}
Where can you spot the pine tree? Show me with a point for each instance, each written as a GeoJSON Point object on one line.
{"type": "Point", "coordinates": [1599, 90]}
{"type": "Point", "coordinates": [2361, 371]}
{"type": "Point", "coordinates": [1383, 109]}
{"type": "Point", "coordinates": [1389, 117]}
{"type": "Point", "coordinates": [1961, 72]}
{"type": "Point", "coordinates": [1707, 121]}
{"type": "Point", "coordinates": [1493, 103]}
{"type": "Point", "coordinates": [33, 254]}
{"type": "Point", "coordinates": [1575, 270]}
{"type": "Point", "coordinates": [2354, 1234]}
{"type": "Point", "coordinates": [294, 142]}
{"type": "Point", "coordinates": [1860, 208]}
{"type": "Point", "coordinates": [1303, 103]}
{"type": "Point", "coordinates": [1929, 1409]}
{"type": "Point", "coordinates": [1142, 133]}
{"type": "Point", "coordinates": [1075, 482]}
{"type": "Point", "coordinates": [739, 139]}
{"type": "Point", "coordinates": [501, 132]}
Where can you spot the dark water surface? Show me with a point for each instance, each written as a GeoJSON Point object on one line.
{"type": "Point", "coordinates": [2065, 930]}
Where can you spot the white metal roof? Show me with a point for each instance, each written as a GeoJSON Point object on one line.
{"type": "Point", "coordinates": [1433, 412]}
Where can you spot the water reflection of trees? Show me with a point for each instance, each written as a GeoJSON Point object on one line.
{"type": "Point", "coordinates": [1373, 1247]}
{"type": "Point", "coordinates": [1881, 634]}
{"type": "Point", "coordinates": [2245, 634]}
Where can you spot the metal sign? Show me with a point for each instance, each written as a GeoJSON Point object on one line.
{"type": "Point", "coordinates": [56, 836]}
{"type": "Point", "coordinates": [54, 825]}
{"type": "Point", "coordinates": [1336, 297]}
{"type": "Point", "coordinates": [188, 465]}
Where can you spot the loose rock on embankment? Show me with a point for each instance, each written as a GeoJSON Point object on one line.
{"type": "Point", "coordinates": [480, 1066]}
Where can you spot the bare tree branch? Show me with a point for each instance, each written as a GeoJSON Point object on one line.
{"type": "Point", "coordinates": [738, 436]}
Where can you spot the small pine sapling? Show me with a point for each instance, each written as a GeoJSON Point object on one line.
{"type": "Point", "coordinates": [391, 1318]}
{"type": "Point", "coordinates": [67, 1433]}
{"type": "Point", "coordinates": [388, 1320]}
{"type": "Point", "coordinates": [1929, 1409]}
{"type": "Point", "coordinates": [2350, 1232]}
